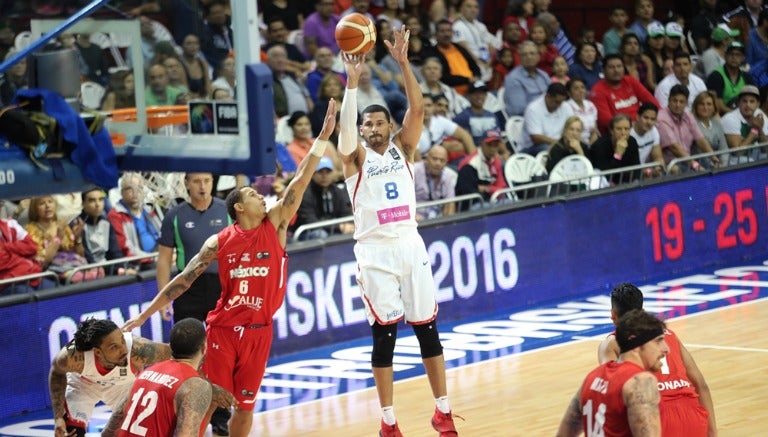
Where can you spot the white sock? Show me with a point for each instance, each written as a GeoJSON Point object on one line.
{"type": "Point", "coordinates": [388, 415]}
{"type": "Point", "coordinates": [442, 404]}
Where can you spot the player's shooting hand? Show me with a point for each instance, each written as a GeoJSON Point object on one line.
{"type": "Point", "coordinates": [222, 398]}
{"type": "Point", "coordinates": [329, 123]}
{"type": "Point", "coordinates": [60, 428]}
{"type": "Point", "coordinates": [353, 65]}
{"type": "Point", "coordinates": [399, 50]}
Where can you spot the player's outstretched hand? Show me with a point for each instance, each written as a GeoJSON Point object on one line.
{"type": "Point", "coordinates": [399, 50]}
{"type": "Point", "coordinates": [329, 123]}
{"type": "Point", "coordinates": [132, 324]}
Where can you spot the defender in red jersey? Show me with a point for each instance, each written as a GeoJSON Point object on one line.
{"type": "Point", "coordinates": [252, 270]}
{"type": "Point", "coordinates": [620, 398]}
{"type": "Point", "coordinates": [686, 403]}
{"type": "Point", "coordinates": [170, 397]}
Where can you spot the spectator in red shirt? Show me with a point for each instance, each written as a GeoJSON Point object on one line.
{"type": "Point", "coordinates": [617, 93]}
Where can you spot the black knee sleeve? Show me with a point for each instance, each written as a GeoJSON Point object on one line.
{"type": "Point", "coordinates": [429, 339]}
{"type": "Point", "coordinates": [384, 337]}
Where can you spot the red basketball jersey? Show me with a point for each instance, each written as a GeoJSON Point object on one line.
{"type": "Point", "coordinates": [673, 379]}
{"type": "Point", "coordinates": [253, 269]}
{"type": "Point", "coordinates": [602, 403]}
{"type": "Point", "coordinates": [150, 411]}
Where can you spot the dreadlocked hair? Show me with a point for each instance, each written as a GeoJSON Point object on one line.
{"type": "Point", "coordinates": [90, 333]}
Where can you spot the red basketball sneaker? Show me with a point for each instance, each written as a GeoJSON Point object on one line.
{"type": "Point", "coordinates": [389, 430]}
{"type": "Point", "coordinates": [443, 423]}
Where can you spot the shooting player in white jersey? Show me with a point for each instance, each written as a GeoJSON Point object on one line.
{"type": "Point", "coordinates": [394, 270]}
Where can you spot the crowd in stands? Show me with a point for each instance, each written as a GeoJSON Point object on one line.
{"type": "Point", "coordinates": [650, 89]}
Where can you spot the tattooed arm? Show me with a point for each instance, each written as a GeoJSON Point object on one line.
{"type": "Point", "coordinates": [641, 396]}
{"type": "Point", "coordinates": [570, 425]}
{"type": "Point", "coordinates": [144, 353]}
{"type": "Point", "coordinates": [67, 360]}
{"type": "Point", "coordinates": [192, 401]}
{"type": "Point", "coordinates": [180, 284]}
{"type": "Point", "coordinates": [281, 214]}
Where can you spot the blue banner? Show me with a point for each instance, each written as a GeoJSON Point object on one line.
{"type": "Point", "coordinates": [505, 261]}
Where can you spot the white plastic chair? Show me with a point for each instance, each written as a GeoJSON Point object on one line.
{"type": "Point", "coordinates": [22, 40]}
{"type": "Point", "coordinates": [571, 167]}
{"type": "Point", "coordinates": [514, 130]}
{"type": "Point", "coordinates": [91, 94]}
{"type": "Point", "coordinates": [521, 168]}
{"type": "Point", "coordinates": [283, 132]}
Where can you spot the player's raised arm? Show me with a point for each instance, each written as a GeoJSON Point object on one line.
{"type": "Point", "coordinates": [282, 213]}
{"type": "Point", "coordinates": [350, 149]}
{"type": "Point", "coordinates": [180, 283]}
{"type": "Point", "coordinates": [413, 122]}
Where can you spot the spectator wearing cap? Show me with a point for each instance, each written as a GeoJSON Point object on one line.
{"type": "Point", "coordinates": [544, 119]}
{"type": "Point", "coordinates": [526, 82]}
{"type": "Point", "coordinates": [644, 16]}
{"type": "Point", "coordinates": [324, 200]}
{"type": "Point", "coordinates": [673, 38]}
{"type": "Point", "coordinates": [745, 125]}
{"type": "Point", "coordinates": [434, 180]}
{"type": "Point", "coordinates": [681, 75]}
{"type": "Point", "coordinates": [757, 46]}
{"type": "Point", "coordinates": [482, 172]}
{"type": "Point", "coordinates": [655, 50]}
{"type": "Point", "coordinates": [476, 119]}
{"type": "Point", "coordinates": [617, 93]}
{"type": "Point", "coordinates": [678, 130]}
{"type": "Point", "coordinates": [714, 57]}
{"type": "Point", "coordinates": [728, 80]}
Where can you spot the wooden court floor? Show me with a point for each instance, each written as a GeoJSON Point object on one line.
{"type": "Point", "coordinates": [525, 395]}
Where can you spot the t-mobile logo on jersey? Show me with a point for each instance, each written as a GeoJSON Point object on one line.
{"type": "Point", "coordinates": [394, 214]}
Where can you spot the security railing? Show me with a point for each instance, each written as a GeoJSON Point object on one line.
{"type": "Point", "coordinates": [126, 262]}
{"type": "Point", "coordinates": [348, 219]}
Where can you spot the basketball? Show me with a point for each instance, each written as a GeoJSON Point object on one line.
{"type": "Point", "coordinates": [355, 34]}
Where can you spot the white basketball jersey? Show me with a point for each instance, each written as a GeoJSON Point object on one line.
{"type": "Point", "coordinates": [109, 387]}
{"type": "Point", "coordinates": [383, 196]}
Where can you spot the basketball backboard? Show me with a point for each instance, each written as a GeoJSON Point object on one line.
{"type": "Point", "coordinates": [251, 151]}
